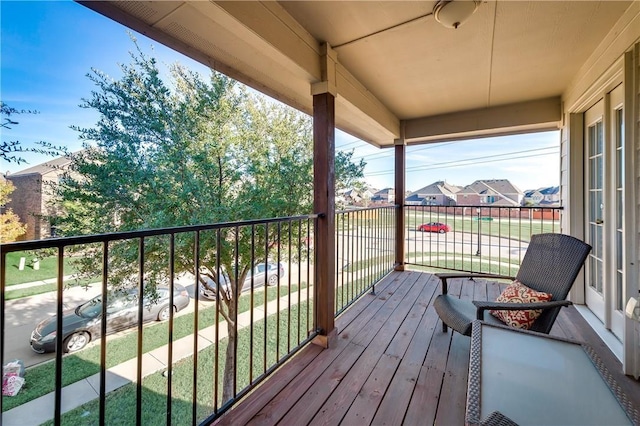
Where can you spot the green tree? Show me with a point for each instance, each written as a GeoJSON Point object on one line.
{"type": "Point", "coordinates": [10, 226]}
{"type": "Point", "coordinates": [10, 149]}
{"type": "Point", "coordinates": [193, 151]}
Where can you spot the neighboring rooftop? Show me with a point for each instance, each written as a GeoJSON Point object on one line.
{"type": "Point", "coordinates": [491, 186]}
{"type": "Point", "coordinates": [44, 168]}
{"type": "Point", "coordinates": [438, 187]}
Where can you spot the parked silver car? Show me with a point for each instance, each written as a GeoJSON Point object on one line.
{"type": "Point", "coordinates": [272, 271]}
{"type": "Point", "coordinates": [82, 324]}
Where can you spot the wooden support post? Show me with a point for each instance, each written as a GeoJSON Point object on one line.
{"type": "Point", "coordinates": [399, 201]}
{"type": "Point", "coordinates": [324, 204]}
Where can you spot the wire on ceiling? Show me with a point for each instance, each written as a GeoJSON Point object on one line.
{"type": "Point", "coordinates": [382, 31]}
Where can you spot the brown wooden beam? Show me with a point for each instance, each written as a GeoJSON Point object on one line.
{"type": "Point", "coordinates": [400, 189]}
{"type": "Point", "coordinates": [324, 204]}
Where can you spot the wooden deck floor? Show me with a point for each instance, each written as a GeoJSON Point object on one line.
{"type": "Point", "coordinates": [391, 363]}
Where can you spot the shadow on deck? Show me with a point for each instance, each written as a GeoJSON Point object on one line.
{"type": "Point", "coordinates": [391, 363]}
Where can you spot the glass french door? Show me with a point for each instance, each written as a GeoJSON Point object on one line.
{"type": "Point", "coordinates": [594, 134]}
{"type": "Point", "coordinates": [604, 185]}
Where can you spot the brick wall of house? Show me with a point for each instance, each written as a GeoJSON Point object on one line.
{"type": "Point", "coordinates": [46, 207]}
{"type": "Point", "coordinates": [469, 199]}
{"type": "Point", "coordinates": [26, 199]}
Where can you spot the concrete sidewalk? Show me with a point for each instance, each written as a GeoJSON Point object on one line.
{"type": "Point", "coordinates": [42, 409]}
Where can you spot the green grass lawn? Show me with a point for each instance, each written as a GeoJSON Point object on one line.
{"type": "Point", "coordinates": [48, 268]}
{"type": "Point", "coordinates": [121, 404]}
{"type": "Point", "coordinates": [29, 291]}
{"type": "Point", "coordinates": [77, 366]}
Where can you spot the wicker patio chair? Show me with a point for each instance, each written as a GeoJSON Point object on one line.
{"type": "Point", "coordinates": [498, 419]}
{"type": "Point", "coordinates": [551, 265]}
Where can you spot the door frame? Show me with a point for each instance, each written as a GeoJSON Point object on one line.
{"type": "Point", "coordinates": [624, 70]}
{"type": "Point", "coordinates": [616, 316]}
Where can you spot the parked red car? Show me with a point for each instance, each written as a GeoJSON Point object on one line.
{"type": "Point", "coordinates": [434, 227]}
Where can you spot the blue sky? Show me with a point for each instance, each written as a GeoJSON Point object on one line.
{"type": "Point", "coordinates": [47, 48]}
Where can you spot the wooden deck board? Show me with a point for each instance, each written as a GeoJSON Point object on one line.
{"type": "Point", "coordinates": [391, 363]}
{"type": "Point", "coordinates": [304, 411]}
{"type": "Point", "coordinates": [360, 331]}
{"type": "Point", "coordinates": [272, 408]}
{"type": "Point", "coordinates": [451, 407]}
{"type": "Point", "coordinates": [394, 404]}
{"type": "Point", "coordinates": [391, 340]}
{"type": "Point", "coordinates": [368, 399]}
{"type": "Point", "coordinates": [314, 398]}
{"type": "Point", "coordinates": [452, 402]}
{"type": "Point", "coordinates": [424, 401]}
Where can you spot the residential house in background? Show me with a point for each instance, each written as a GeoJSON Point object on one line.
{"type": "Point", "coordinates": [551, 195]}
{"type": "Point", "coordinates": [31, 198]}
{"type": "Point", "coordinates": [439, 193]}
{"type": "Point", "coordinates": [354, 197]}
{"type": "Point", "coordinates": [366, 194]}
{"type": "Point", "coordinates": [493, 192]}
{"type": "Point", "coordinates": [542, 196]}
{"type": "Point", "coordinates": [384, 196]}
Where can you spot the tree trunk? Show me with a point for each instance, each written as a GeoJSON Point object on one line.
{"type": "Point", "coordinates": [229, 377]}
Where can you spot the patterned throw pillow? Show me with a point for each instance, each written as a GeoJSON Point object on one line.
{"type": "Point", "coordinates": [516, 292]}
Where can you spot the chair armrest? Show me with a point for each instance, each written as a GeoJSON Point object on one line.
{"type": "Point", "coordinates": [483, 306]}
{"type": "Point", "coordinates": [496, 418]}
{"type": "Point", "coordinates": [443, 276]}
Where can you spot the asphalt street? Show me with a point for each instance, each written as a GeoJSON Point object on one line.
{"type": "Point", "coordinates": [22, 315]}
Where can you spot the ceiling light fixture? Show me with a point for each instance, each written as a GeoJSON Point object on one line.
{"type": "Point", "coordinates": [453, 13]}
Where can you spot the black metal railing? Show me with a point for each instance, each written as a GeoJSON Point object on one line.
{"type": "Point", "coordinates": [474, 238]}
{"type": "Point", "coordinates": [365, 251]}
{"type": "Point", "coordinates": [250, 288]}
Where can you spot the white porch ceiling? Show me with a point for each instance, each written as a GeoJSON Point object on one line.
{"type": "Point", "coordinates": [399, 73]}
